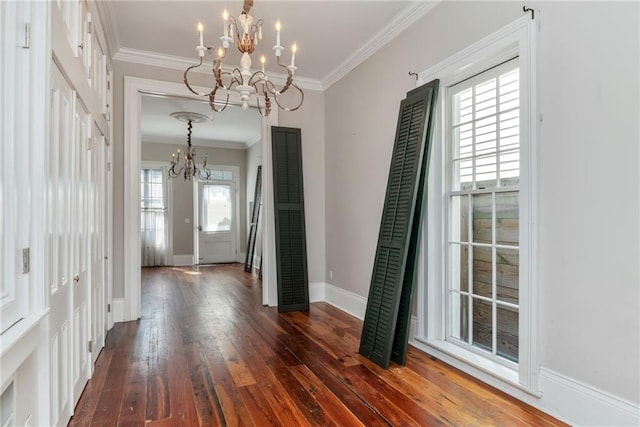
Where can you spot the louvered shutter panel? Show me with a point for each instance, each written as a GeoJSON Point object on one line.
{"type": "Point", "coordinates": [391, 291]}
{"type": "Point", "coordinates": [255, 216]}
{"type": "Point", "coordinates": [291, 248]}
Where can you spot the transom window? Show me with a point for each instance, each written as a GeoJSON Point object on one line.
{"type": "Point", "coordinates": [483, 213]}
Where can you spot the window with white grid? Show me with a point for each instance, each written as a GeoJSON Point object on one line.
{"type": "Point", "coordinates": [483, 203]}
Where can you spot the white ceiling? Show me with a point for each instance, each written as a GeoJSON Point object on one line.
{"type": "Point", "coordinates": [233, 128]}
{"type": "Point", "coordinates": [333, 37]}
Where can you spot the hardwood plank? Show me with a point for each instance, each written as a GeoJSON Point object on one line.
{"type": "Point", "coordinates": [206, 352]}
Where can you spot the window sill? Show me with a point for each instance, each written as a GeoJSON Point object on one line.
{"type": "Point", "coordinates": [484, 369]}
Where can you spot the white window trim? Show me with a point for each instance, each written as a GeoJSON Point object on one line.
{"type": "Point", "coordinates": [516, 39]}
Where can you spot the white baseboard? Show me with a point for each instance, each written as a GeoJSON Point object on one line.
{"type": "Point", "coordinates": [118, 309]}
{"type": "Point", "coordinates": [584, 405]}
{"type": "Point", "coordinates": [183, 260]}
{"type": "Point", "coordinates": [347, 301]}
{"type": "Point", "coordinates": [316, 292]}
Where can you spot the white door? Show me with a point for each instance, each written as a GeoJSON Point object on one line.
{"type": "Point", "coordinates": [80, 256]}
{"type": "Point", "coordinates": [217, 222]}
{"type": "Point", "coordinates": [59, 243]}
{"type": "Point", "coordinates": [97, 195]}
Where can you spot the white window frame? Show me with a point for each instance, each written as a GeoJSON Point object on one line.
{"type": "Point", "coordinates": [516, 39]}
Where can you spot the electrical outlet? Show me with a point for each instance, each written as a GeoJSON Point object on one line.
{"type": "Point", "coordinates": [330, 274]}
{"type": "Point", "coordinates": [187, 220]}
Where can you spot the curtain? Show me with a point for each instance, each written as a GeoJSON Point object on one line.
{"type": "Point", "coordinates": [153, 220]}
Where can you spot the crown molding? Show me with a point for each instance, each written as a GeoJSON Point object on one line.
{"type": "Point", "coordinates": [154, 59]}
{"type": "Point", "coordinates": [110, 25]}
{"type": "Point", "coordinates": [196, 142]}
{"type": "Point", "coordinates": [398, 24]}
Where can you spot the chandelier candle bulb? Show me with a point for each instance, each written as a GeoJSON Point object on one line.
{"type": "Point", "coordinates": [294, 48]}
{"type": "Point", "coordinates": [201, 30]}
{"type": "Point", "coordinates": [262, 61]}
{"type": "Point", "coordinates": [278, 26]}
{"type": "Point", "coordinates": [225, 16]}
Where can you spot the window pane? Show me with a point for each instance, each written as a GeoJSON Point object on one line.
{"type": "Point", "coordinates": [507, 275]}
{"type": "Point", "coordinates": [463, 175]}
{"type": "Point", "coordinates": [510, 90]}
{"type": "Point", "coordinates": [216, 206]}
{"type": "Point", "coordinates": [460, 267]}
{"type": "Point", "coordinates": [486, 172]}
{"type": "Point", "coordinates": [482, 324]}
{"type": "Point", "coordinates": [459, 316]}
{"type": "Point", "coordinates": [482, 218]}
{"type": "Point", "coordinates": [463, 141]}
{"type": "Point", "coordinates": [482, 271]}
{"type": "Point", "coordinates": [507, 218]}
{"type": "Point", "coordinates": [507, 332]}
{"type": "Point", "coordinates": [459, 218]}
{"type": "Point", "coordinates": [463, 106]}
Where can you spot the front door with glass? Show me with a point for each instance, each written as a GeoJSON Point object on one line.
{"type": "Point", "coordinates": [217, 222]}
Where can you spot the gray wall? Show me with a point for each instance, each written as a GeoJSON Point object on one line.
{"type": "Point", "coordinates": [182, 190]}
{"type": "Point", "coordinates": [588, 273]}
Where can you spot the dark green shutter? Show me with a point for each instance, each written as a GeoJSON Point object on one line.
{"type": "Point", "coordinates": [291, 247]}
{"type": "Point", "coordinates": [389, 305]}
{"type": "Point", "coordinates": [253, 230]}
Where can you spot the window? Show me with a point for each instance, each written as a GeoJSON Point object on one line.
{"type": "Point", "coordinates": [477, 301]}
{"type": "Point", "coordinates": [153, 220]}
{"type": "Point", "coordinates": [483, 147]}
{"type": "Point", "coordinates": [217, 210]}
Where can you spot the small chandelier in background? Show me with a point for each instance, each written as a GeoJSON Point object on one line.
{"type": "Point", "coordinates": [248, 84]}
{"type": "Point", "coordinates": [188, 169]}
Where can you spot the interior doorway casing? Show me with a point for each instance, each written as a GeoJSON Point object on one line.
{"type": "Point", "coordinates": [134, 88]}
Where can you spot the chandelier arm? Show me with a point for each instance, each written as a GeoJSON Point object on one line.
{"type": "Point", "coordinates": [297, 106]}
{"type": "Point", "coordinates": [262, 77]}
{"type": "Point", "coordinates": [212, 103]}
{"type": "Point", "coordinates": [186, 79]}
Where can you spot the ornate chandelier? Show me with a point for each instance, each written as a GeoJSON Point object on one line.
{"type": "Point", "coordinates": [188, 169]}
{"type": "Point", "coordinates": [248, 84]}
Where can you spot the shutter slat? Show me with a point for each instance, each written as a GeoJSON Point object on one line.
{"type": "Point", "coordinates": [391, 287]}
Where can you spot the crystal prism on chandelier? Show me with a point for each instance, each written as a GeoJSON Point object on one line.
{"type": "Point", "coordinates": [188, 168]}
{"type": "Point", "coordinates": [251, 86]}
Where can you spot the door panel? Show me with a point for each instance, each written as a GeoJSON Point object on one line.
{"type": "Point", "coordinates": [217, 229]}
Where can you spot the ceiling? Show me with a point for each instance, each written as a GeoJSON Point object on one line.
{"type": "Point", "coordinates": [333, 37]}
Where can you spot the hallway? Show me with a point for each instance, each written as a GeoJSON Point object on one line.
{"type": "Point", "coordinates": [207, 352]}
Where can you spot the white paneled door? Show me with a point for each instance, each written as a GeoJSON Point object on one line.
{"type": "Point", "coordinates": [59, 250]}
{"type": "Point", "coordinates": [96, 233]}
{"type": "Point", "coordinates": [81, 219]}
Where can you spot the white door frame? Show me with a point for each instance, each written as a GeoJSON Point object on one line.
{"type": "Point", "coordinates": [134, 87]}
{"type": "Point", "coordinates": [235, 170]}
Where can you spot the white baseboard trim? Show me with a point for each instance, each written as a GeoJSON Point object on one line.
{"type": "Point", "coordinates": [118, 309]}
{"type": "Point", "coordinates": [346, 301]}
{"type": "Point", "coordinates": [316, 292]}
{"type": "Point", "coordinates": [584, 405]}
{"type": "Point", "coordinates": [183, 260]}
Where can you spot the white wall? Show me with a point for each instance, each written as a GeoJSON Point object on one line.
{"type": "Point", "coordinates": [588, 73]}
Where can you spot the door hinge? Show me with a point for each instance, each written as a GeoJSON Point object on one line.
{"type": "Point", "coordinates": [89, 27]}
{"type": "Point", "coordinates": [108, 170]}
{"type": "Point", "coordinates": [26, 41]}
{"type": "Point", "coordinates": [108, 308]}
{"type": "Point", "coordinates": [26, 262]}
{"type": "Point", "coordinates": [90, 346]}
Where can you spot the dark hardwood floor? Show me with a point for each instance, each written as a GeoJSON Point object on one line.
{"type": "Point", "coordinates": [207, 352]}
